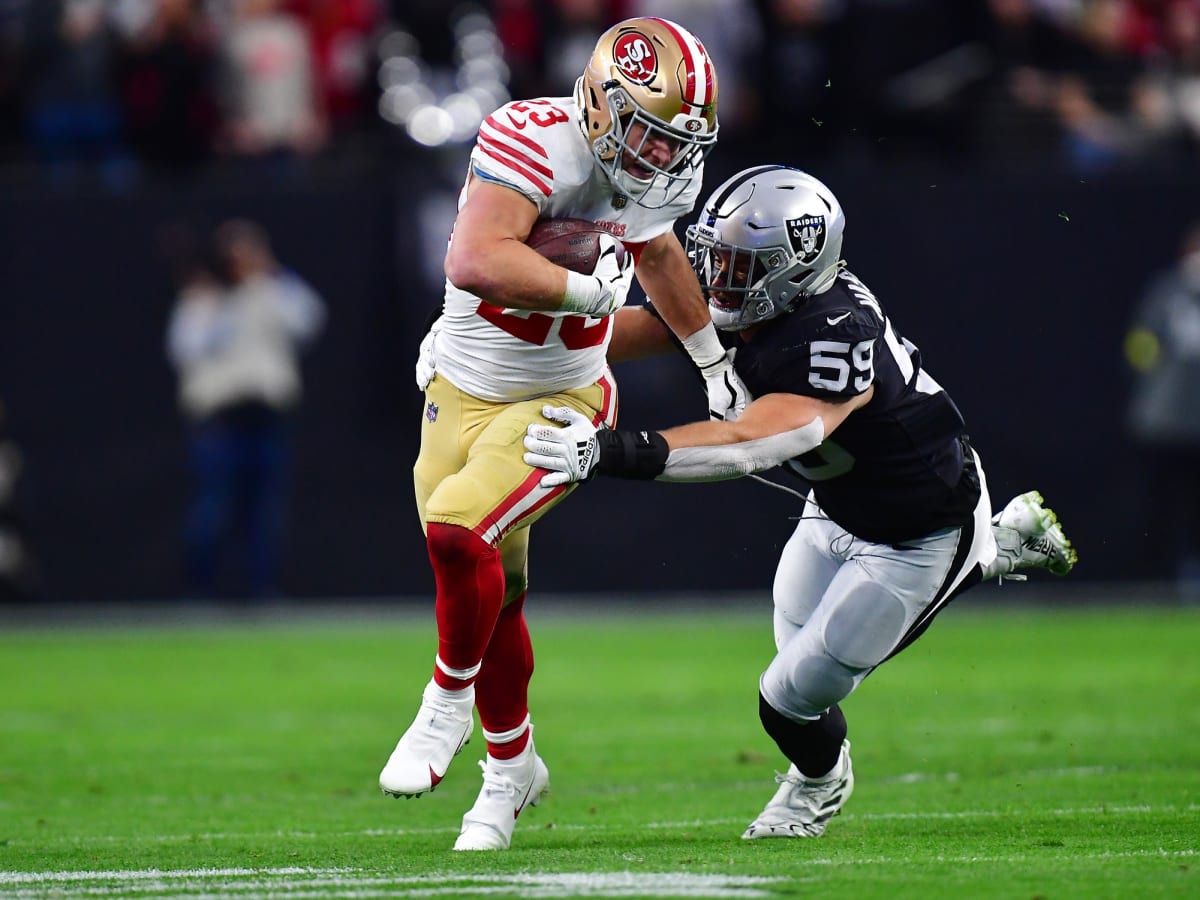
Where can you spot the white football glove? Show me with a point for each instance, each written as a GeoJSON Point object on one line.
{"type": "Point", "coordinates": [427, 357]}
{"type": "Point", "coordinates": [727, 393]}
{"type": "Point", "coordinates": [617, 277]}
{"type": "Point", "coordinates": [568, 452]}
{"type": "Point", "coordinates": [604, 291]}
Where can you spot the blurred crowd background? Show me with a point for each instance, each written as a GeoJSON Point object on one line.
{"type": "Point", "coordinates": [1019, 175]}
{"type": "Point", "coordinates": [140, 86]}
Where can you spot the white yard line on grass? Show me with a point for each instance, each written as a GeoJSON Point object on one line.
{"type": "Point", "coordinates": [298, 884]}
{"type": "Point", "coordinates": [145, 874]}
{"type": "Point", "coordinates": [295, 883]}
{"type": "Point", "coordinates": [83, 840]}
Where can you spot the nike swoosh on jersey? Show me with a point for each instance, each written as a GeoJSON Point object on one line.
{"type": "Point", "coordinates": [833, 320]}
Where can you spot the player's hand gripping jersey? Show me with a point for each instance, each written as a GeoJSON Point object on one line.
{"type": "Point", "coordinates": [507, 355]}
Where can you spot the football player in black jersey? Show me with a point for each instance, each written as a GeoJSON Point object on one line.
{"type": "Point", "coordinates": [898, 517]}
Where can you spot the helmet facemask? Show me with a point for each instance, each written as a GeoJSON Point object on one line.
{"type": "Point", "coordinates": [631, 153]}
{"type": "Point", "coordinates": [736, 280]}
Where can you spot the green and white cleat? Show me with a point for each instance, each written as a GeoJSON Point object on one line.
{"type": "Point", "coordinates": [802, 807]}
{"type": "Point", "coordinates": [1028, 535]}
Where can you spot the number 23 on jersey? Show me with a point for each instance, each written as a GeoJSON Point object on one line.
{"type": "Point", "coordinates": [575, 332]}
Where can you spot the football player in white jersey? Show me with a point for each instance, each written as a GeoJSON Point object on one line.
{"type": "Point", "coordinates": [518, 332]}
{"type": "Point", "coordinates": [898, 518]}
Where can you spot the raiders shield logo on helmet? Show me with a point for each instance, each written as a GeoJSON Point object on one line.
{"type": "Point", "coordinates": [807, 236]}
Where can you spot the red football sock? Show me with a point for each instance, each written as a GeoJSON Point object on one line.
{"type": "Point", "coordinates": [470, 590]}
{"type": "Point", "coordinates": [502, 691]}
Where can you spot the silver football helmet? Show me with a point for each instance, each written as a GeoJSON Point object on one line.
{"type": "Point", "coordinates": [766, 239]}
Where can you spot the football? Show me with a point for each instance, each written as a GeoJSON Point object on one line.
{"type": "Point", "coordinates": [571, 243]}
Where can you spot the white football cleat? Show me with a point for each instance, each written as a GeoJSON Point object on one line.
{"type": "Point", "coordinates": [803, 806]}
{"type": "Point", "coordinates": [1029, 535]}
{"type": "Point", "coordinates": [509, 785]}
{"type": "Point", "coordinates": [423, 754]}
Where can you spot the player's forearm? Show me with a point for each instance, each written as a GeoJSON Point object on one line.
{"type": "Point", "coordinates": [679, 301]}
{"type": "Point", "coordinates": [508, 274]}
{"type": "Point", "coordinates": [685, 313]}
{"type": "Point", "coordinates": [708, 434]}
{"type": "Point", "coordinates": [773, 429]}
{"type": "Point", "coordinates": [704, 451]}
{"type": "Point", "coordinates": [667, 278]}
{"type": "Point", "coordinates": [716, 462]}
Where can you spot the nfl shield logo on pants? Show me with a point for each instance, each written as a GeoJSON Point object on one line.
{"type": "Point", "coordinates": [431, 411]}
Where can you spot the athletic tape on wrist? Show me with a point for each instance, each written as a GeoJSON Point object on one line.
{"type": "Point", "coordinates": [704, 346]}
{"type": "Point", "coordinates": [583, 295]}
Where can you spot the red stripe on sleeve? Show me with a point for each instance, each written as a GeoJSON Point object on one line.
{"type": "Point", "coordinates": [518, 169]}
{"type": "Point", "coordinates": [516, 155]}
{"type": "Point", "coordinates": [517, 136]}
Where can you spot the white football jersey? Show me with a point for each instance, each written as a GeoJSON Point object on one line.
{"type": "Point", "coordinates": [536, 147]}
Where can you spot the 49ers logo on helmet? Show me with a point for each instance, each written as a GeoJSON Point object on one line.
{"type": "Point", "coordinates": [635, 57]}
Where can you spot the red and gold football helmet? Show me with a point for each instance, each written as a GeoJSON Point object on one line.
{"type": "Point", "coordinates": [649, 82]}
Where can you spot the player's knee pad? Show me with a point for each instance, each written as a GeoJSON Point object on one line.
{"type": "Point", "coordinates": [804, 688]}
{"type": "Point", "coordinates": [864, 627]}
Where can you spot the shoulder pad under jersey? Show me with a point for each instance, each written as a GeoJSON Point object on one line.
{"type": "Point", "coordinates": [534, 147]}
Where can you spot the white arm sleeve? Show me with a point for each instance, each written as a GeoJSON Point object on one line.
{"type": "Point", "coordinates": [735, 460]}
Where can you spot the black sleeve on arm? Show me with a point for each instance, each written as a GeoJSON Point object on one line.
{"type": "Point", "coordinates": [631, 454]}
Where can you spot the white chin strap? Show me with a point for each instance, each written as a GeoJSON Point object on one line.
{"type": "Point", "coordinates": [826, 279]}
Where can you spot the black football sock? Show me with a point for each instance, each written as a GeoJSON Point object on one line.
{"type": "Point", "coordinates": [813, 746]}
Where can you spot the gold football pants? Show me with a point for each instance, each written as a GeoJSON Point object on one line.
{"type": "Point", "coordinates": [471, 472]}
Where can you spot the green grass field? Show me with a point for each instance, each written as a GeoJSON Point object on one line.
{"type": "Point", "coordinates": [1009, 753]}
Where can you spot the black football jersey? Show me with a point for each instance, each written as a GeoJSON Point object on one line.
{"type": "Point", "coordinates": [895, 469]}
